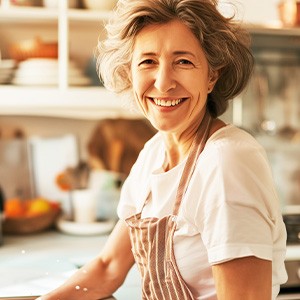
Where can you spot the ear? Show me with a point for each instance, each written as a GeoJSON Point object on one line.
{"type": "Point", "coordinates": [213, 78]}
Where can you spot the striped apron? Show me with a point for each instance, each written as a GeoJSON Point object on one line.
{"type": "Point", "coordinates": [152, 238]}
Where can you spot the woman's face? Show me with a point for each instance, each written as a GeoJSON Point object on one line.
{"type": "Point", "coordinates": [170, 76]}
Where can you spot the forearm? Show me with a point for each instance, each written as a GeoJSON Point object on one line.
{"type": "Point", "coordinates": [95, 280]}
{"type": "Point", "coordinates": [102, 276]}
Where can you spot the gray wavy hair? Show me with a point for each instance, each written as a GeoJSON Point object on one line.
{"type": "Point", "coordinates": [224, 41]}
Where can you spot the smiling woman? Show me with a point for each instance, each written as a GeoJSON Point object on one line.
{"type": "Point", "coordinates": [199, 214]}
{"type": "Point", "coordinates": [170, 77]}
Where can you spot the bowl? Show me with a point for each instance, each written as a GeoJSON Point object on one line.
{"type": "Point", "coordinates": [31, 224]}
{"type": "Point", "coordinates": [25, 2]}
{"type": "Point", "coordinates": [33, 48]}
{"type": "Point", "coordinates": [99, 4]}
{"type": "Point", "coordinates": [55, 3]}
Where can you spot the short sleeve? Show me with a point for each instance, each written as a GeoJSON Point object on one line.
{"type": "Point", "coordinates": [238, 204]}
{"type": "Point", "coordinates": [233, 231]}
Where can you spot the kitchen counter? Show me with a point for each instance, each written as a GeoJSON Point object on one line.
{"type": "Point", "coordinates": [35, 264]}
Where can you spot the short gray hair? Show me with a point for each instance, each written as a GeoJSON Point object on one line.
{"type": "Point", "coordinates": [225, 42]}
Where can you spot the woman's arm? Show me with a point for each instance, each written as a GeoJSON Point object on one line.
{"type": "Point", "coordinates": [248, 278]}
{"type": "Point", "coordinates": [102, 276]}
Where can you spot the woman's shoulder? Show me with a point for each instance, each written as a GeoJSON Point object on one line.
{"type": "Point", "coordinates": [232, 140]}
{"type": "Point", "coordinates": [233, 134]}
{"type": "Point", "coordinates": [232, 148]}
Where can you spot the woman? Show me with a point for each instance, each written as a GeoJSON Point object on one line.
{"type": "Point", "coordinates": [199, 208]}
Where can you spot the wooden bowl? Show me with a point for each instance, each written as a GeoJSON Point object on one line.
{"type": "Point", "coordinates": [33, 48]}
{"type": "Point", "coordinates": [30, 224]}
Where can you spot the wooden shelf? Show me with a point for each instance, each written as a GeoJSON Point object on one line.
{"type": "Point", "coordinates": [273, 29]}
{"type": "Point", "coordinates": [77, 103]}
{"type": "Point", "coordinates": [28, 14]}
{"type": "Point", "coordinates": [85, 102]}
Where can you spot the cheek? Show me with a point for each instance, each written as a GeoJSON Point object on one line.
{"type": "Point", "coordinates": [139, 84]}
{"type": "Point", "coordinates": [196, 86]}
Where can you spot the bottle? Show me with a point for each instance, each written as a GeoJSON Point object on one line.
{"type": "Point", "coordinates": [1, 215]}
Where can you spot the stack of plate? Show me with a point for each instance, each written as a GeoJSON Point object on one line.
{"type": "Point", "coordinates": [44, 72]}
{"type": "Point", "coordinates": [7, 68]}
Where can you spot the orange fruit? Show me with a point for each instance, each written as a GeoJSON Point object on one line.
{"type": "Point", "coordinates": [14, 207]}
{"type": "Point", "coordinates": [62, 182]}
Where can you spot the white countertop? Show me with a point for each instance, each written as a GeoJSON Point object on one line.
{"type": "Point", "coordinates": [34, 264]}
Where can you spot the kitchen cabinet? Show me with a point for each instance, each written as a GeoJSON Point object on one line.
{"type": "Point", "coordinates": [77, 32]}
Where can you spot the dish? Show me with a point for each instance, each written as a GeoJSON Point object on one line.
{"type": "Point", "coordinates": [55, 3]}
{"type": "Point", "coordinates": [49, 81]}
{"type": "Point", "coordinates": [70, 227]}
{"type": "Point", "coordinates": [44, 72]}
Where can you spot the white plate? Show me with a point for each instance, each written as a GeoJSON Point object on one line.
{"type": "Point", "coordinates": [45, 62]}
{"type": "Point", "coordinates": [94, 228]}
{"type": "Point", "coordinates": [46, 72]}
{"type": "Point", "coordinates": [50, 81]}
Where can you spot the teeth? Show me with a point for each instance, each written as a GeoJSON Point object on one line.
{"type": "Point", "coordinates": [167, 103]}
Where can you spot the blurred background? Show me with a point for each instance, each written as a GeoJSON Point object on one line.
{"type": "Point", "coordinates": [62, 132]}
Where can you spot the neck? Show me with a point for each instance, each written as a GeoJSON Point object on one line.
{"type": "Point", "coordinates": [176, 151]}
{"type": "Point", "coordinates": [178, 146]}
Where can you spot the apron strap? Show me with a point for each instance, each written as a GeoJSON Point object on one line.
{"type": "Point", "coordinates": [197, 147]}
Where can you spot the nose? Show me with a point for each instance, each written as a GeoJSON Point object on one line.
{"type": "Point", "coordinates": [165, 78]}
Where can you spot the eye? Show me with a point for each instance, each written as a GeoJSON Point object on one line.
{"type": "Point", "coordinates": [147, 62]}
{"type": "Point", "coordinates": [184, 62]}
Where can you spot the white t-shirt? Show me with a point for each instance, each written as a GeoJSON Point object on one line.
{"type": "Point", "coordinates": [230, 208]}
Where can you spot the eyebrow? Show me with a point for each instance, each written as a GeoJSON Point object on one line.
{"type": "Point", "coordinates": [179, 52]}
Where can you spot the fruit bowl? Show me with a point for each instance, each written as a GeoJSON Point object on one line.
{"type": "Point", "coordinates": [30, 224]}
{"type": "Point", "coordinates": [29, 216]}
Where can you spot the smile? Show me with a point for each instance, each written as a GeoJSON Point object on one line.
{"type": "Point", "coordinates": [167, 103]}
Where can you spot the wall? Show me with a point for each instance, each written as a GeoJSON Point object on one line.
{"type": "Point", "coordinates": [255, 11]}
{"type": "Point", "coordinates": [50, 127]}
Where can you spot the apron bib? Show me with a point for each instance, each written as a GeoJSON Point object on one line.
{"type": "Point", "coordinates": [152, 238]}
